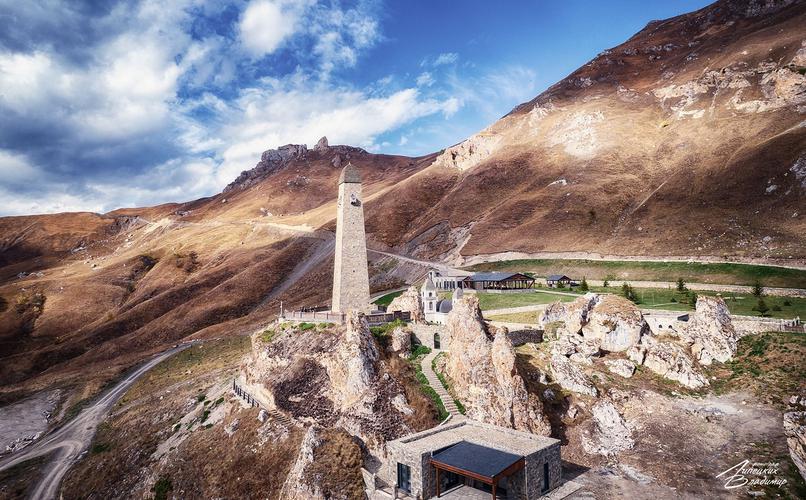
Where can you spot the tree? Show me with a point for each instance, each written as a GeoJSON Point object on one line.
{"type": "Point", "coordinates": [758, 289]}
{"type": "Point", "coordinates": [606, 283]}
{"type": "Point", "coordinates": [584, 285]}
{"type": "Point", "coordinates": [692, 299]}
{"type": "Point", "coordinates": [629, 293]}
{"type": "Point", "coordinates": [608, 279]}
{"type": "Point", "coordinates": [681, 285]}
{"type": "Point", "coordinates": [761, 307]}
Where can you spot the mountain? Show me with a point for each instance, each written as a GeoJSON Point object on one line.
{"type": "Point", "coordinates": [686, 140]}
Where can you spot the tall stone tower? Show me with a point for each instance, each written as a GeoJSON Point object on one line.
{"type": "Point", "coordinates": [350, 275]}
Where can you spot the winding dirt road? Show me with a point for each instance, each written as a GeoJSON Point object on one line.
{"type": "Point", "coordinates": [72, 439]}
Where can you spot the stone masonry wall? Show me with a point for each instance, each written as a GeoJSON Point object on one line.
{"type": "Point", "coordinates": [350, 275]}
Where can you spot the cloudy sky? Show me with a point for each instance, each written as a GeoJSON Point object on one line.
{"type": "Point", "coordinates": [105, 104]}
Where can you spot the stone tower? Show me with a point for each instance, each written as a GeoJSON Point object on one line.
{"type": "Point", "coordinates": [350, 276]}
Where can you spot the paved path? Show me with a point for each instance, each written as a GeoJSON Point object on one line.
{"type": "Point", "coordinates": [435, 384]}
{"type": "Point", "coordinates": [72, 439]}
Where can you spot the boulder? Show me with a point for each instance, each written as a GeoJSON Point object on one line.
{"type": "Point", "coordinates": [672, 362]}
{"type": "Point", "coordinates": [408, 301]}
{"type": "Point", "coordinates": [637, 354]}
{"type": "Point", "coordinates": [611, 434]}
{"type": "Point", "coordinates": [485, 378]}
{"type": "Point", "coordinates": [621, 367]}
{"type": "Point", "coordinates": [615, 322]}
{"type": "Point", "coordinates": [570, 377]}
{"type": "Point", "coordinates": [710, 331]}
{"type": "Point", "coordinates": [571, 314]}
{"type": "Point", "coordinates": [795, 431]}
{"type": "Point", "coordinates": [401, 341]}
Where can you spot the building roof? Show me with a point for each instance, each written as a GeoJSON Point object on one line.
{"type": "Point", "coordinates": [496, 276]}
{"type": "Point", "coordinates": [481, 460]}
{"type": "Point", "coordinates": [509, 440]}
{"type": "Point", "coordinates": [428, 285]}
{"type": "Point", "coordinates": [350, 174]}
{"type": "Point", "coordinates": [444, 306]}
{"type": "Point", "coordinates": [557, 277]}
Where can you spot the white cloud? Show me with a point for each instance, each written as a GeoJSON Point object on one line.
{"type": "Point", "coordinates": [299, 110]}
{"type": "Point", "coordinates": [265, 24]}
{"type": "Point", "coordinates": [425, 79]}
{"type": "Point", "coordinates": [446, 58]}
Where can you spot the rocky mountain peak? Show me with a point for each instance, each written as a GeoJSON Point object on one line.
{"type": "Point", "coordinates": [321, 145]}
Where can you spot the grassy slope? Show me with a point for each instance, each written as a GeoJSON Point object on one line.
{"type": "Point", "coordinates": [729, 274]}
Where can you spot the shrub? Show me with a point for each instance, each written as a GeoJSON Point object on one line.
{"type": "Point", "coordinates": [306, 326]}
{"type": "Point", "coordinates": [267, 335]}
{"type": "Point", "coordinates": [758, 289]}
{"type": "Point", "coordinates": [161, 488]}
{"type": "Point", "coordinates": [681, 285]}
{"type": "Point", "coordinates": [205, 415]}
{"type": "Point", "coordinates": [628, 292]}
{"type": "Point", "coordinates": [100, 448]}
{"type": "Point", "coordinates": [776, 307]}
{"type": "Point", "coordinates": [787, 303]}
{"type": "Point", "coordinates": [673, 299]}
{"type": "Point", "coordinates": [583, 286]}
{"type": "Point", "coordinates": [201, 397]}
{"type": "Point", "coordinates": [418, 351]}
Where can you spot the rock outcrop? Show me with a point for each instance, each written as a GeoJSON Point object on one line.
{"type": "Point", "coordinates": [710, 331]}
{"type": "Point", "coordinates": [270, 161]}
{"type": "Point", "coordinates": [621, 367]}
{"type": "Point", "coordinates": [408, 301]}
{"type": "Point", "coordinates": [611, 322]}
{"type": "Point", "coordinates": [484, 374]}
{"type": "Point", "coordinates": [672, 362]}
{"type": "Point", "coordinates": [795, 431]}
{"type": "Point", "coordinates": [321, 145]}
{"type": "Point", "coordinates": [401, 341]}
{"type": "Point", "coordinates": [329, 377]}
{"type": "Point", "coordinates": [570, 377]}
{"type": "Point", "coordinates": [611, 434]}
{"type": "Point", "coordinates": [615, 322]}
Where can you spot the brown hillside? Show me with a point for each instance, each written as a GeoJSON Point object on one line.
{"type": "Point", "coordinates": [686, 140]}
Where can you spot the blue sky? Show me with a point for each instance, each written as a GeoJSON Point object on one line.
{"type": "Point", "coordinates": [106, 104]}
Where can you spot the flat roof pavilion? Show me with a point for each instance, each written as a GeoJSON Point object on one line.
{"type": "Point", "coordinates": [484, 464]}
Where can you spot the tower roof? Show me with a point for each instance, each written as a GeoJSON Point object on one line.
{"type": "Point", "coordinates": [428, 285]}
{"type": "Point", "coordinates": [350, 175]}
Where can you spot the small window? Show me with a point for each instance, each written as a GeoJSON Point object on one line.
{"type": "Point", "coordinates": [545, 477]}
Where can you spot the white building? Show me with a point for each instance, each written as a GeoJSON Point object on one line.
{"type": "Point", "coordinates": [435, 309]}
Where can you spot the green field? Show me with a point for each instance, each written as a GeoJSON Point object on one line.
{"type": "Point", "coordinates": [727, 274]}
{"type": "Point", "coordinates": [489, 301]}
{"type": "Point", "coordinates": [388, 298]}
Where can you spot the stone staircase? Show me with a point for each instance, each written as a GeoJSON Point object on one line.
{"type": "Point", "coordinates": [434, 382]}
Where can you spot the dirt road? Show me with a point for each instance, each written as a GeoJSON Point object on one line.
{"type": "Point", "coordinates": [74, 437]}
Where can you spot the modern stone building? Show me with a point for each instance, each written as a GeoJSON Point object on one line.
{"type": "Point", "coordinates": [350, 275]}
{"type": "Point", "coordinates": [465, 459]}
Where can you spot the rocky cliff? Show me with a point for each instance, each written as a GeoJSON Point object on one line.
{"type": "Point", "coordinates": [484, 375]}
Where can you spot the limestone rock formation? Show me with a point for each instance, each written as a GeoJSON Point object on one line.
{"type": "Point", "coordinates": [329, 377]}
{"type": "Point", "coordinates": [795, 430]}
{"type": "Point", "coordinates": [710, 331]}
{"type": "Point", "coordinates": [297, 486]}
{"type": "Point", "coordinates": [408, 301]}
{"type": "Point", "coordinates": [484, 374]}
{"type": "Point", "coordinates": [321, 145]}
{"type": "Point", "coordinates": [616, 322]}
{"type": "Point", "coordinates": [671, 361]}
{"type": "Point", "coordinates": [570, 377]}
{"type": "Point", "coordinates": [270, 161]}
{"type": "Point", "coordinates": [401, 341]}
{"type": "Point", "coordinates": [470, 152]}
{"type": "Point", "coordinates": [621, 367]}
{"type": "Point", "coordinates": [611, 434]}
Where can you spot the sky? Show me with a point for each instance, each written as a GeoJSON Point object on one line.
{"type": "Point", "coordinates": [109, 104]}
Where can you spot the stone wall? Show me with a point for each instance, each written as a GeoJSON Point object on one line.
{"type": "Point", "coordinates": [424, 334]}
{"type": "Point", "coordinates": [350, 275]}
